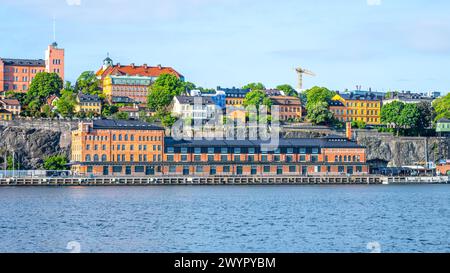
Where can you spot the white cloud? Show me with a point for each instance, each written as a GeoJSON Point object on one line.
{"type": "Point", "coordinates": [73, 2]}
{"type": "Point", "coordinates": [373, 2]}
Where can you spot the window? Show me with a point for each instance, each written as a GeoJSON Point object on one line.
{"type": "Point", "coordinates": [224, 158]}
{"type": "Point", "coordinates": [172, 169]}
{"type": "Point", "coordinates": [95, 158]}
{"type": "Point", "coordinates": [88, 147]}
{"type": "Point", "coordinates": [199, 169]}
{"type": "Point", "coordinates": [103, 157]}
{"type": "Point", "coordinates": [169, 157]}
{"type": "Point", "coordinates": [302, 151]}
{"type": "Point", "coordinates": [226, 169]}
{"type": "Point", "coordinates": [197, 158]}
{"type": "Point", "coordinates": [184, 158]}
{"type": "Point", "coordinates": [88, 158]}
{"type": "Point", "coordinates": [292, 169]}
{"type": "Point", "coordinates": [264, 158]}
{"type": "Point", "coordinates": [315, 151]}
{"type": "Point", "coordinates": [210, 150]}
{"type": "Point", "coordinates": [224, 150]}
{"type": "Point", "coordinates": [267, 169]}
{"type": "Point", "coordinates": [237, 150]}
{"type": "Point", "coordinates": [210, 158]}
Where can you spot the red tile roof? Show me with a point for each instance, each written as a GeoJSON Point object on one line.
{"type": "Point", "coordinates": [13, 102]}
{"type": "Point", "coordinates": [145, 71]}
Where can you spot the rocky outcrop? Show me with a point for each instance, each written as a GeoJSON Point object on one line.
{"type": "Point", "coordinates": [31, 146]}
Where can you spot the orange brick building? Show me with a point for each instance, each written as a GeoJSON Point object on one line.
{"type": "Point", "coordinates": [17, 74]}
{"type": "Point", "coordinates": [290, 108]}
{"type": "Point", "coordinates": [134, 148]}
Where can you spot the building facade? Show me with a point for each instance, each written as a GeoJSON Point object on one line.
{"type": "Point", "coordinates": [234, 96]}
{"type": "Point", "coordinates": [443, 127]}
{"type": "Point", "coordinates": [134, 148]}
{"type": "Point", "coordinates": [290, 108]}
{"type": "Point", "coordinates": [88, 104]}
{"type": "Point", "coordinates": [365, 108]}
{"type": "Point", "coordinates": [193, 108]}
{"type": "Point", "coordinates": [5, 115]}
{"type": "Point", "coordinates": [11, 105]}
{"type": "Point", "coordinates": [17, 74]}
{"type": "Point", "coordinates": [130, 80]}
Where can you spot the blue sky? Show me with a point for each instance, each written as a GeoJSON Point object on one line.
{"type": "Point", "coordinates": [383, 44]}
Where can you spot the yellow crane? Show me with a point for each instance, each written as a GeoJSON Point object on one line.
{"type": "Point", "coordinates": [300, 71]}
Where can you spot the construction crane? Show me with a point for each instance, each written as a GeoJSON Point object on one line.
{"type": "Point", "coordinates": [300, 72]}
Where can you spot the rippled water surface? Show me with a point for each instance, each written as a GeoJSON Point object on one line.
{"type": "Point", "coordinates": [226, 218]}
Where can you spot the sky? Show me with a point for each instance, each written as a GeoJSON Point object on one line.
{"type": "Point", "coordinates": [381, 44]}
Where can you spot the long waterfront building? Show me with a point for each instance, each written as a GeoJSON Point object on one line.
{"type": "Point", "coordinates": [135, 148]}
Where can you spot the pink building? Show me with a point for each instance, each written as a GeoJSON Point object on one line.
{"type": "Point", "coordinates": [17, 74]}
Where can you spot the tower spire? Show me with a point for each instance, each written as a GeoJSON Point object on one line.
{"type": "Point", "coordinates": [54, 29]}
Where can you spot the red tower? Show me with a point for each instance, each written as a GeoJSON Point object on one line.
{"type": "Point", "coordinates": [54, 60]}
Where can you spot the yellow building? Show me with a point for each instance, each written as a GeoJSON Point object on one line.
{"type": "Point", "coordinates": [365, 108]}
{"type": "Point", "coordinates": [88, 104]}
{"type": "Point", "coordinates": [5, 115]}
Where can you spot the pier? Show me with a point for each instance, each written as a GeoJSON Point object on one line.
{"type": "Point", "coordinates": [218, 180]}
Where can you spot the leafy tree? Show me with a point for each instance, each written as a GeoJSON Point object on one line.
{"type": "Point", "coordinates": [65, 105]}
{"type": "Point", "coordinates": [427, 115]}
{"type": "Point", "coordinates": [288, 90]}
{"type": "Point", "coordinates": [390, 114]}
{"type": "Point", "coordinates": [318, 94]}
{"type": "Point", "coordinates": [254, 86]}
{"type": "Point", "coordinates": [46, 111]}
{"type": "Point", "coordinates": [87, 83]}
{"type": "Point", "coordinates": [409, 116]}
{"type": "Point", "coordinates": [257, 98]}
{"type": "Point", "coordinates": [109, 110]}
{"type": "Point", "coordinates": [320, 114]}
{"type": "Point", "coordinates": [161, 93]}
{"type": "Point", "coordinates": [189, 86]}
{"type": "Point", "coordinates": [55, 163]}
{"type": "Point", "coordinates": [43, 85]}
{"type": "Point", "coordinates": [360, 124]}
{"type": "Point", "coordinates": [122, 115]}
{"type": "Point", "coordinates": [442, 107]}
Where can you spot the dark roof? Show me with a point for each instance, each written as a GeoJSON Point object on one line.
{"type": "Point", "coordinates": [273, 92]}
{"type": "Point", "coordinates": [119, 99]}
{"type": "Point", "coordinates": [285, 100]}
{"type": "Point", "coordinates": [234, 92]}
{"type": "Point", "coordinates": [24, 62]}
{"type": "Point", "coordinates": [335, 103]}
{"type": "Point", "coordinates": [124, 124]}
{"type": "Point", "coordinates": [444, 120]}
{"type": "Point", "coordinates": [191, 100]}
{"type": "Point", "coordinates": [368, 96]}
{"type": "Point", "coordinates": [328, 142]}
{"type": "Point", "coordinates": [4, 111]}
{"type": "Point", "coordinates": [88, 98]}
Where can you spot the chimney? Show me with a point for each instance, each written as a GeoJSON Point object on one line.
{"type": "Point", "coordinates": [132, 65]}
{"type": "Point", "coordinates": [118, 64]}
{"type": "Point", "coordinates": [159, 66]}
{"type": "Point", "coordinates": [145, 66]}
{"type": "Point", "coordinates": [348, 132]}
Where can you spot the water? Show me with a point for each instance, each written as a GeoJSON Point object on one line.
{"type": "Point", "coordinates": [226, 219]}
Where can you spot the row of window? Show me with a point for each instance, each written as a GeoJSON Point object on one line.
{"type": "Point", "coordinates": [125, 137]}
{"type": "Point", "coordinates": [362, 104]}
{"type": "Point", "coordinates": [265, 158]}
{"type": "Point", "coordinates": [15, 87]}
{"type": "Point", "coordinates": [121, 158]}
{"type": "Point", "coordinates": [24, 70]}
{"type": "Point", "coordinates": [238, 150]}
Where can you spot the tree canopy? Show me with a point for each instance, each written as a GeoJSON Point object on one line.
{"type": "Point", "coordinates": [257, 98]}
{"type": "Point", "coordinates": [401, 115]}
{"type": "Point", "coordinates": [287, 89]}
{"type": "Point", "coordinates": [442, 107]}
{"type": "Point", "coordinates": [318, 94]}
{"type": "Point", "coordinates": [254, 86]}
{"type": "Point", "coordinates": [87, 83]}
{"type": "Point", "coordinates": [43, 86]}
{"type": "Point", "coordinates": [319, 113]}
{"type": "Point", "coordinates": [163, 90]}
{"type": "Point", "coordinates": [55, 163]}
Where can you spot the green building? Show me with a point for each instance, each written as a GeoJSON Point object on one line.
{"type": "Point", "coordinates": [443, 127]}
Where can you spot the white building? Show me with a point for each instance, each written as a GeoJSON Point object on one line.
{"type": "Point", "coordinates": [193, 107]}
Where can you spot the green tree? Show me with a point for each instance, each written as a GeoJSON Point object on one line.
{"type": "Point", "coordinates": [409, 116]}
{"type": "Point", "coordinates": [254, 86]}
{"type": "Point", "coordinates": [87, 83]}
{"type": "Point", "coordinates": [390, 115]}
{"type": "Point", "coordinates": [442, 107]}
{"type": "Point", "coordinates": [427, 115]}
{"type": "Point", "coordinates": [65, 105]}
{"type": "Point", "coordinates": [42, 86]}
{"type": "Point", "coordinates": [288, 90]}
{"type": "Point", "coordinates": [109, 110]}
{"type": "Point", "coordinates": [122, 115]}
{"type": "Point", "coordinates": [360, 124]}
{"type": "Point", "coordinates": [56, 163]}
{"type": "Point", "coordinates": [257, 98]}
{"type": "Point", "coordinates": [189, 86]}
{"type": "Point", "coordinates": [318, 94]}
{"type": "Point", "coordinates": [319, 114]}
{"type": "Point", "coordinates": [161, 92]}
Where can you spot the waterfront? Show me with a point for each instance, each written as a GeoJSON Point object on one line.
{"type": "Point", "coordinates": [408, 218]}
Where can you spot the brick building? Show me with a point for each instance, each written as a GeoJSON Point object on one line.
{"type": "Point", "coordinates": [134, 148]}
{"type": "Point", "coordinates": [290, 108]}
{"type": "Point", "coordinates": [16, 74]}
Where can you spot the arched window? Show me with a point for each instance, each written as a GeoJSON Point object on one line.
{"type": "Point", "coordinates": [132, 137]}
{"type": "Point", "coordinates": [345, 158]}
{"type": "Point", "coordinates": [95, 158]}
{"type": "Point", "coordinates": [103, 157]}
{"type": "Point", "coordinates": [120, 137]}
{"type": "Point", "coordinates": [336, 158]}
{"type": "Point", "coordinates": [88, 158]}
{"type": "Point", "coordinates": [354, 158]}
{"type": "Point", "coordinates": [340, 158]}
{"type": "Point", "coordinates": [126, 137]}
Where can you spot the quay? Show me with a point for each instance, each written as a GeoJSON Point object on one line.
{"type": "Point", "coordinates": [219, 180]}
